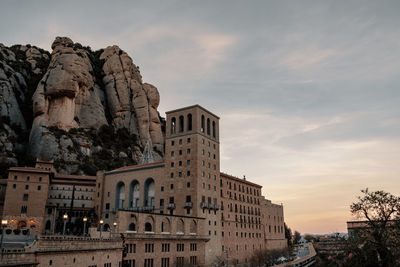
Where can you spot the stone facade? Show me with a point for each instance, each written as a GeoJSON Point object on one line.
{"type": "Point", "coordinates": [175, 212]}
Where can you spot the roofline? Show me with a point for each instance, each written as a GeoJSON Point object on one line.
{"type": "Point", "coordinates": [28, 169]}
{"type": "Point", "coordinates": [239, 179]}
{"type": "Point", "coordinates": [193, 106]}
{"type": "Point", "coordinates": [139, 167]}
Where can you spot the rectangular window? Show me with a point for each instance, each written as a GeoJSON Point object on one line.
{"type": "Point", "coordinates": [161, 203]}
{"type": "Point", "coordinates": [25, 198]}
{"type": "Point", "coordinates": [193, 260]}
{"type": "Point", "coordinates": [180, 261]}
{"type": "Point", "coordinates": [180, 247]}
{"type": "Point", "coordinates": [107, 206]}
{"type": "Point", "coordinates": [24, 209]}
{"type": "Point", "coordinates": [165, 247]}
{"type": "Point", "coordinates": [39, 188]}
{"type": "Point", "coordinates": [148, 262]}
{"type": "Point", "coordinates": [164, 262]}
{"type": "Point", "coordinates": [131, 248]}
{"type": "Point", "coordinates": [193, 247]}
{"type": "Point", "coordinates": [148, 248]}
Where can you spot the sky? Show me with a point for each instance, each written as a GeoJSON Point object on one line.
{"type": "Point", "coordinates": [308, 92]}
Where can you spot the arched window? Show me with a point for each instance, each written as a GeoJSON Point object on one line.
{"type": "Point", "coordinates": [189, 122]}
{"type": "Point", "coordinates": [208, 126]}
{"type": "Point", "coordinates": [203, 124]}
{"type": "Point", "coordinates": [180, 228]}
{"type": "Point", "coordinates": [193, 227]}
{"type": "Point", "coordinates": [106, 227]}
{"type": "Point", "coordinates": [134, 193]}
{"type": "Point", "coordinates": [149, 190]}
{"type": "Point", "coordinates": [132, 227]}
{"type": "Point", "coordinates": [120, 195]}
{"type": "Point", "coordinates": [173, 125]}
{"type": "Point", "coordinates": [149, 224]}
{"type": "Point", "coordinates": [214, 130]}
{"type": "Point", "coordinates": [148, 227]}
{"type": "Point", "coordinates": [48, 225]}
{"type": "Point", "coordinates": [181, 124]}
{"type": "Point", "coordinates": [165, 226]}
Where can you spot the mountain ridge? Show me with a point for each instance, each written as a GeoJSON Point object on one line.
{"type": "Point", "coordinates": [86, 110]}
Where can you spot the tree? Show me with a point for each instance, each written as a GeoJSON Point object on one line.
{"type": "Point", "coordinates": [309, 238]}
{"type": "Point", "coordinates": [288, 236]}
{"type": "Point", "coordinates": [297, 237]}
{"type": "Point", "coordinates": [377, 241]}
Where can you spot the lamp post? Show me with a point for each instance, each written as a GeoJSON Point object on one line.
{"type": "Point", "coordinates": [65, 218]}
{"type": "Point", "coordinates": [101, 227]}
{"type": "Point", "coordinates": [115, 227]}
{"type": "Point", "coordinates": [4, 223]}
{"type": "Point", "coordinates": [84, 225]}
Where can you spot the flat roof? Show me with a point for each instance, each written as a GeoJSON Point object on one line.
{"type": "Point", "coordinates": [239, 180]}
{"type": "Point", "coordinates": [189, 107]}
{"type": "Point", "coordinates": [27, 169]}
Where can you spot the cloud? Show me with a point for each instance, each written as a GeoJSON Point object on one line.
{"type": "Point", "coordinates": [306, 57]}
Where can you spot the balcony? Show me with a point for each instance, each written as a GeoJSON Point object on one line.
{"type": "Point", "coordinates": [188, 205]}
{"type": "Point", "coordinates": [204, 205]}
{"type": "Point", "coordinates": [148, 208]}
{"type": "Point", "coordinates": [171, 206]}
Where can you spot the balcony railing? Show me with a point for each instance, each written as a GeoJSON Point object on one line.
{"type": "Point", "coordinates": [171, 206]}
{"type": "Point", "coordinates": [204, 205]}
{"type": "Point", "coordinates": [188, 205]}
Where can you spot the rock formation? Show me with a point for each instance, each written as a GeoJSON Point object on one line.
{"type": "Point", "coordinates": [80, 108]}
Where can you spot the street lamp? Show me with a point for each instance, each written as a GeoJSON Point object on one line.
{"type": "Point", "coordinates": [101, 227]}
{"type": "Point", "coordinates": [65, 218]}
{"type": "Point", "coordinates": [115, 227]}
{"type": "Point", "coordinates": [4, 223]}
{"type": "Point", "coordinates": [84, 225]}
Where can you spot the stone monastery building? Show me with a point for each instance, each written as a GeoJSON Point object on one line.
{"type": "Point", "coordinates": [179, 212]}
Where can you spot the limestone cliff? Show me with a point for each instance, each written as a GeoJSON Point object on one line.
{"type": "Point", "coordinates": [85, 110]}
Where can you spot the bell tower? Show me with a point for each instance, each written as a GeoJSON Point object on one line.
{"type": "Point", "coordinates": [192, 170]}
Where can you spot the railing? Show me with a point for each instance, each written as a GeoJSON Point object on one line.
{"type": "Point", "coordinates": [204, 205]}
{"type": "Point", "coordinates": [188, 205]}
{"type": "Point", "coordinates": [171, 206]}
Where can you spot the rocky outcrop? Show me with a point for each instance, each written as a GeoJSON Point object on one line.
{"type": "Point", "coordinates": [133, 105]}
{"type": "Point", "coordinates": [21, 67]}
{"type": "Point", "coordinates": [83, 106]}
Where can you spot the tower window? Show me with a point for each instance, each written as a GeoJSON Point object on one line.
{"type": "Point", "coordinates": [181, 124]}
{"type": "Point", "coordinates": [213, 129]}
{"type": "Point", "coordinates": [189, 122]}
{"type": "Point", "coordinates": [173, 125]}
{"type": "Point", "coordinates": [202, 123]}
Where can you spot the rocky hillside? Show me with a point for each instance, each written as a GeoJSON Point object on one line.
{"type": "Point", "coordinates": [86, 110]}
